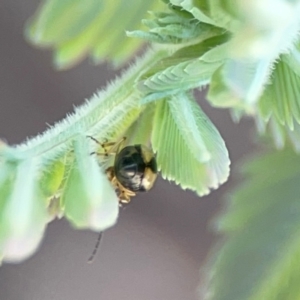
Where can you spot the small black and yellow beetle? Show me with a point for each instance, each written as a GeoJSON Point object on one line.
{"type": "Point", "coordinates": [134, 169]}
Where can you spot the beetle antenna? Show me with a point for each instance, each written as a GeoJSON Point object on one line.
{"type": "Point", "coordinates": [91, 258]}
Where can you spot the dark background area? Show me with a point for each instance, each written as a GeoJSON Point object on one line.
{"type": "Point", "coordinates": [163, 237]}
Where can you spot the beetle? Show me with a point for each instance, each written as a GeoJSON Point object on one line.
{"type": "Point", "coordinates": [134, 168]}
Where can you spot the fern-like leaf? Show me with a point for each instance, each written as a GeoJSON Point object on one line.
{"type": "Point", "coordinates": [190, 151]}
{"type": "Point", "coordinates": [88, 199]}
{"type": "Point", "coordinates": [175, 27]}
{"type": "Point", "coordinates": [281, 98]}
{"type": "Point", "coordinates": [23, 210]}
{"type": "Point", "coordinates": [189, 67]}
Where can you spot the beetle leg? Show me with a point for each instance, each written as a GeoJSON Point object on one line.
{"type": "Point", "coordinates": [125, 195]}
{"type": "Point", "coordinates": [114, 147]}
{"type": "Point", "coordinates": [104, 146]}
{"type": "Point", "coordinates": [120, 143]}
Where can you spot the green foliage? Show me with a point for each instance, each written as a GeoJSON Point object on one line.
{"type": "Point", "coordinates": [191, 151]}
{"type": "Point", "coordinates": [76, 29]}
{"type": "Point", "coordinates": [189, 67]}
{"type": "Point", "coordinates": [280, 98]}
{"type": "Point", "coordinates": [87, 198]}
{"type": "Point", "coordinates": [52, 178]}
{"type": "Point", "coordinates": [66, 170]}
{"type": "Point", "coordinates": [248, 54]}
{"type": "Point", "coordinates": [174, 27]}
{"type": "Point", "coordinates": [58, 164]}
{"type": "Point", "coordinates": [278, 112]}
{"type": "Point", "coordinates": [23, 210]}
{"type": "Point", "coordinates": [260, 258]}
{"type": "Point", "coordinates": [238, 65]}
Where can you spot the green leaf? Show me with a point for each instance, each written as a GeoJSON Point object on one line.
{"type": "Point", "coordinates": [224, 14]}
{"type": "Point", "coordinates": [189, 54]}
{"type": "Point", "coordinates": [199, 10]}
{"type": "Point", "coordinates": [76, 29]}
{"type": "Point", "coordinates": [187, 68]}
{"type": "Point", "coordinates": [88, 199]}
{"type": "Point", "coordinates": [218, 93]}
{"type": "Point", "coordinates": [246, 79]}
{"type": "Point", "coordinates": [174, 28]}
{"type": "Point", "coordinates": [57, 21]}
{"type": "Point", "coordinates": [52, 178]}
{"type": "Point", "coordinates": [292, 59]}
{"type": "Point", "coordinates": [259, 259]}
{"type": "Point", "coordinates": [258, 41]}
{"type": "Point", "coordinates": [210, 12]}
{"type": "Point", "coordinates": [238, 84]}
{"type": "Point", "coordinates": [71, 51]}
{"type": "Point", "coordinates": [140, 131]}
{"type": "Point", "coordinates": [281, 98]}
{"type": "Point", "coordinates": [282, 135]}
{"type": "Point", "coordinates": [23, 215]}
{"type": "Point", "coordinates": [190, 150]}
{"type": "Point", "coordinates": [259, 36]}
{"type": "Point", "coordinates": [125, 16]}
